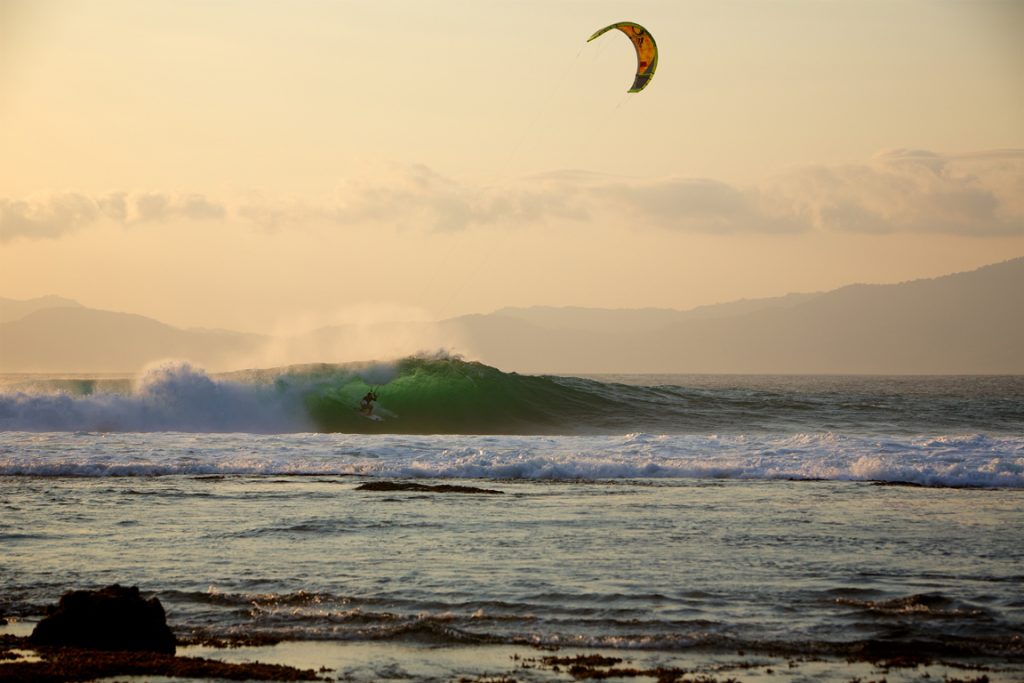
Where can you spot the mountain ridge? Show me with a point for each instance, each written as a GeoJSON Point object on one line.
{"type": "Point", "coordinates": [961, 323]}
{"type": "Point", "coordinates": [13, 309]}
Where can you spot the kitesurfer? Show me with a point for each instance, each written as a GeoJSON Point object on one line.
{"type": "Point", "coordinates": [366, 405]}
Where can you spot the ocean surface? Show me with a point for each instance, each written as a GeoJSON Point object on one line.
{"type": "Point", "coordinates": [681, 515]}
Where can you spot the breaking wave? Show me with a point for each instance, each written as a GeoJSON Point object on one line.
{"type": "Point", "coordinates": [446, 417]}
{"type": "Point", "coordinates": [445, 395]}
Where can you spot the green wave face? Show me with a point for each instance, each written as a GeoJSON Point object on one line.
{"type": "Point", "coordinates": [439, 396]}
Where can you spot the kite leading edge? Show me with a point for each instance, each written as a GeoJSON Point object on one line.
{"type": "Point", "coordinates": [646, 51]}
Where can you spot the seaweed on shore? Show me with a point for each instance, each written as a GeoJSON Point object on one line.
{"type": "Point", "coordinates": [582, 660]}
{"type": "Point", "coordinates": [421, 488]}
{"type": "Point", "coordinates": [55, 664]}
{"type": "Point", "coordinates": [599, 667]}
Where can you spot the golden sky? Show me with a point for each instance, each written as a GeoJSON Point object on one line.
{"type": "Point", "coordinates": [248, 164]}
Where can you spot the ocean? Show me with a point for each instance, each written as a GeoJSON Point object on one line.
{"type": "Point", "coordinates": [765, 528]}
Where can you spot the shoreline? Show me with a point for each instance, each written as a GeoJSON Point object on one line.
{"type": "Point", "coordinates": [365, 661]}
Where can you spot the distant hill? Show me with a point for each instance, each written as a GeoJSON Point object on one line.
{"type": "Point", "coordinates": [12, 309]}
{"type": "Point", "coordinates": [966, 323]}
{"type": "Point", "coordinates": [640, 320]}
{"type": "Point", "coordinates": [88, 340]}
{"type": "Point", "coordinates": [957, 324]}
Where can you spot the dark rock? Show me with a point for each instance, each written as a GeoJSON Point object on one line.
{"type": "Point", "coordinates": [112, 618]}
{"type": "Point", "coordinates": [422, 488]}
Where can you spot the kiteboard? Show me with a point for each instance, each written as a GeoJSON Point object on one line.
{"type": "Point", "coordinates": [371, 416]}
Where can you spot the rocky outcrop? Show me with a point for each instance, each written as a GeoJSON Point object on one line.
{"type": "Point", "coordinates": [112, 618]}
{"type": "Point", "coordinates": [420, 488]}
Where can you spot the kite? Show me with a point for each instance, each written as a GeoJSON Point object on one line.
{"type": "Point", "coordinates": [646, 51]}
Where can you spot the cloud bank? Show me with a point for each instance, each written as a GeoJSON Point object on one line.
{"type": "Point", "coordinates": [910, 191]}
{"type": "Point", "coordinates": [897, 191]}
{"type": "Point", "coordinates": [52, 216]}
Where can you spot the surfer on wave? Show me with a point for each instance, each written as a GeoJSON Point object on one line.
{"type": "Point", "coordinates": [366, 404]}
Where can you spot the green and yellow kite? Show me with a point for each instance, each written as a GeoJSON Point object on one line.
{"type": "Point", "coordinates": [646, 51]}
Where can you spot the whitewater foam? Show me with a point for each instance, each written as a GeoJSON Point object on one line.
{"type": "Point", "coordinates": [970, 460]}
{"type": "Point", "coordinates": [167, 397]}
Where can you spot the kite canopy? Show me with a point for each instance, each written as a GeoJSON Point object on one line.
{"type": "Point", "coordinates": [646, 51]}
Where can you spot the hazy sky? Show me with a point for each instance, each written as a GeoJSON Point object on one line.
{"type": "Point", "coordinates": [249, 164]}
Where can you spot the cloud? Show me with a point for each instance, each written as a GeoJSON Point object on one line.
{"type": "Point", "coordinates": [155, 207]}
{"type": "Point", "coordinates": [692, 205]}
{"type": "Point", "coordinates": [55, 215]}
{"type": "Point", "coordinates": [273, 215]}
{"type": "Point", "coordinates": [48, 218]}
{"type": "Point", "coordinates": [897, 191]}
{"type": "Point", "coordinates": [904, 190]}
{"type": "Point", "coordinates": [417, 196]}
